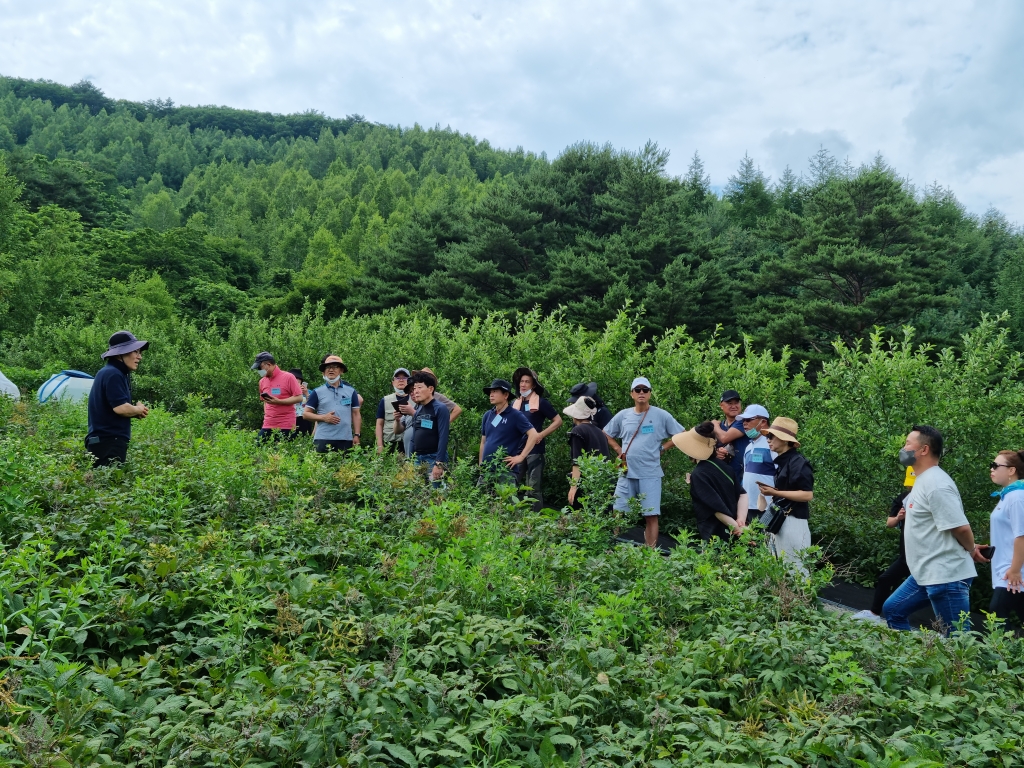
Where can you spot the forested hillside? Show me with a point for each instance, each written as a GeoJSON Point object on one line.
{"type": "Point", "coordinates": [113, 209]}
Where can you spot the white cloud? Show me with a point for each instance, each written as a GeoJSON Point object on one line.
{"type": "Point", "coordinates": [793, 148]}
{"type": "Point", "coordinates": [937, 93]}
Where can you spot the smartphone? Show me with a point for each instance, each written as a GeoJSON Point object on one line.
{"type": "Point", "coordinates": [987, 552]}
{"type": "Point", "coordinates": [264, 396]}
{"type": "Point", "coordinates": [401, 400]}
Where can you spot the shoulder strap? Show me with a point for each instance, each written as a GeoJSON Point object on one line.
{"type": "Point", "coordinates": [642, 417]}
{"type": "Point", "coordinates": [730, 477]}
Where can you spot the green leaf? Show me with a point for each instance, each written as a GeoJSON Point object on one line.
{"type": "Point", "coordinates": [402, 754]}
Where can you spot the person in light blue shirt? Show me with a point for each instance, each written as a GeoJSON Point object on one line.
{"type": "Point", "coordinates": [645, 432]}
{"type": "Point", "coordinates": [334, 406]}
{"type": "Point", "coordinates": [1006, 527]}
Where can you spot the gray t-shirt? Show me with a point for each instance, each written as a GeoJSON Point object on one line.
{"type": "Point", "coordinates": [933, 509]}
{"type": "Point", "coordinates": [643, 459]}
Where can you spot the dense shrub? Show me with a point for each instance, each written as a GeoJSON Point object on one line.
{"type": "Point", "coordinates": [213, 603]}
{"type": "Point", "coordinates": [853, 416]}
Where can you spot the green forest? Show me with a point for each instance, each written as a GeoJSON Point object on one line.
{"type": "Point", "coordinates": [111, 210]}
{"type": "Point", "coordinates": [213, 602]}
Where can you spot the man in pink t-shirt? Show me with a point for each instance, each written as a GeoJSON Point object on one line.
{"type": "Point", "coordinates": [279, 392]}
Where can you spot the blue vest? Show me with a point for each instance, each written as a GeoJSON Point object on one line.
{"type": "Point", "coordinates": [340, 400]}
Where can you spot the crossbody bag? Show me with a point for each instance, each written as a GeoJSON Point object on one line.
{"type": "Point", "coordinates": [625, 463]}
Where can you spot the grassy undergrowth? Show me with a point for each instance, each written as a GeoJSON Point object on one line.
{"type": "Point", "coordinates": [215, 604]}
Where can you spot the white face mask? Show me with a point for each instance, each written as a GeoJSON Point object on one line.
{"type": "Point", "coordinates": [262, 373]}
{"type": "Point", "coordinates": [525, 392]}
{"type": "Point", "coordinates": [331, 381]}
{"type": "Point", "coordinates": [399, 391]}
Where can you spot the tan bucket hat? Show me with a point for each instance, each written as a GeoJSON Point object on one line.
{"type": "Point", "coordinates": [333, 360]}
{"type": "Point", "coordinates": [784, 429]}
{"type": "Point", "coordinates": [693, 445]}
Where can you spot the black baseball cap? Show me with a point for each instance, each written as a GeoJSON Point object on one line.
{"type": "Point", "coordinates": [498, 384]}
{"type": "Point", "coordinates": [261, 358]}
{"type": "Point", "coordinates": [730, 394]}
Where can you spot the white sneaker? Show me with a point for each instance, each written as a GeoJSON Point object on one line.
{"type": "Point", "coordinates": [866, 615]}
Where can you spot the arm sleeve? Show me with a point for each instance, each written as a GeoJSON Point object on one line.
{"type": "Point", "coordinates": [443, 419]}
{"type": "Point", "coordinates": [116, 392]}
{"type": "Point", "coordinates": [547, 410]}
{"type": "Point", "coordinates": [613, 427]}
{"type": "Point", "coordinates": [380, 409]}
{"type": "Point", "coordinates": [1015, 511]}
{"type": "Point", "coordinates": [947, 509]}
{"type": "Point", "coordinates": [483, 422]}
{"type": "Point", "coordinates": [355, 401]}
{"type": "Point", "coordinates": [805, 480]}
{"type": "Point", "coordinates": [575, 446]}
{"type": "Point", "coordinates": [313, 401]}
{"type": "Point", "coordinates": [671, 426]}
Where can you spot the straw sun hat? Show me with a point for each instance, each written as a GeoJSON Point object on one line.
{"type": "Point", "coordinates": [693, 445]}
{"type": "Point", "coordinates": [784, 429]}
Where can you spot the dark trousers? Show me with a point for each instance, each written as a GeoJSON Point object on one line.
{"type": "Point", "coordinates": [303, 427]}
{"type": "Point", "coordinates": [107, 450]}
{"type": "Point", "coordinates": [888, 581]}
{"type": "Point", "coordinates": [268, 434]}
{"type": "Point", "coordinates": [325, 446]}
{"type": "Point", "coordinates": [1008, 606]}
{"type": "Point", "coordinates": [531, 474]}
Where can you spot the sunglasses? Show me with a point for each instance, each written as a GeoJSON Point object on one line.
{"type": "Point", "coordinates": [995, 464]}
{"type": "Point", "coordinates": [641, 390]}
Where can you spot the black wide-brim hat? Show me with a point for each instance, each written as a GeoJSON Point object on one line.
{"type": "Point", "coordinates": [582, 390]}
{"type": "Point", "coordinates": [524, 371]}
{"type": "Point", "coordinates": [123, 342]}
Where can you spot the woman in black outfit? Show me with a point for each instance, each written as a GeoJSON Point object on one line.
{"type": "Point", "coordinates": [584, 437]}
{"type": "Point", "coordinates": [719, 501]}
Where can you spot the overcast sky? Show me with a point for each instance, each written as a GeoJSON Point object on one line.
{"type": "Point", "coordinates": [936, 89]}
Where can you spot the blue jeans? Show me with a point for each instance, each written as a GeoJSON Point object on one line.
{"type": "Point", "coordinates": [430, 459]}
{"type": "Point", "coordinates": [948, 601]}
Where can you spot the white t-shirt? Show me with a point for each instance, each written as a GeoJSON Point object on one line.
{"type": "Point", "coordinates": [1005, 525]}
{"type": "Point", "coordinates": [934, 507]}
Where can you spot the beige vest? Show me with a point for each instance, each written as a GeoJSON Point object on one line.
{"type": "Point", "coordinates": [389, 419]}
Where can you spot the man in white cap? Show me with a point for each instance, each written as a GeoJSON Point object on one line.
{"type": "Point", "coordinates": [758, 458]}
{"type": "Point", "coordinates": [110, 401]}
{"type": "Point", "coordinates": [645, 432]}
